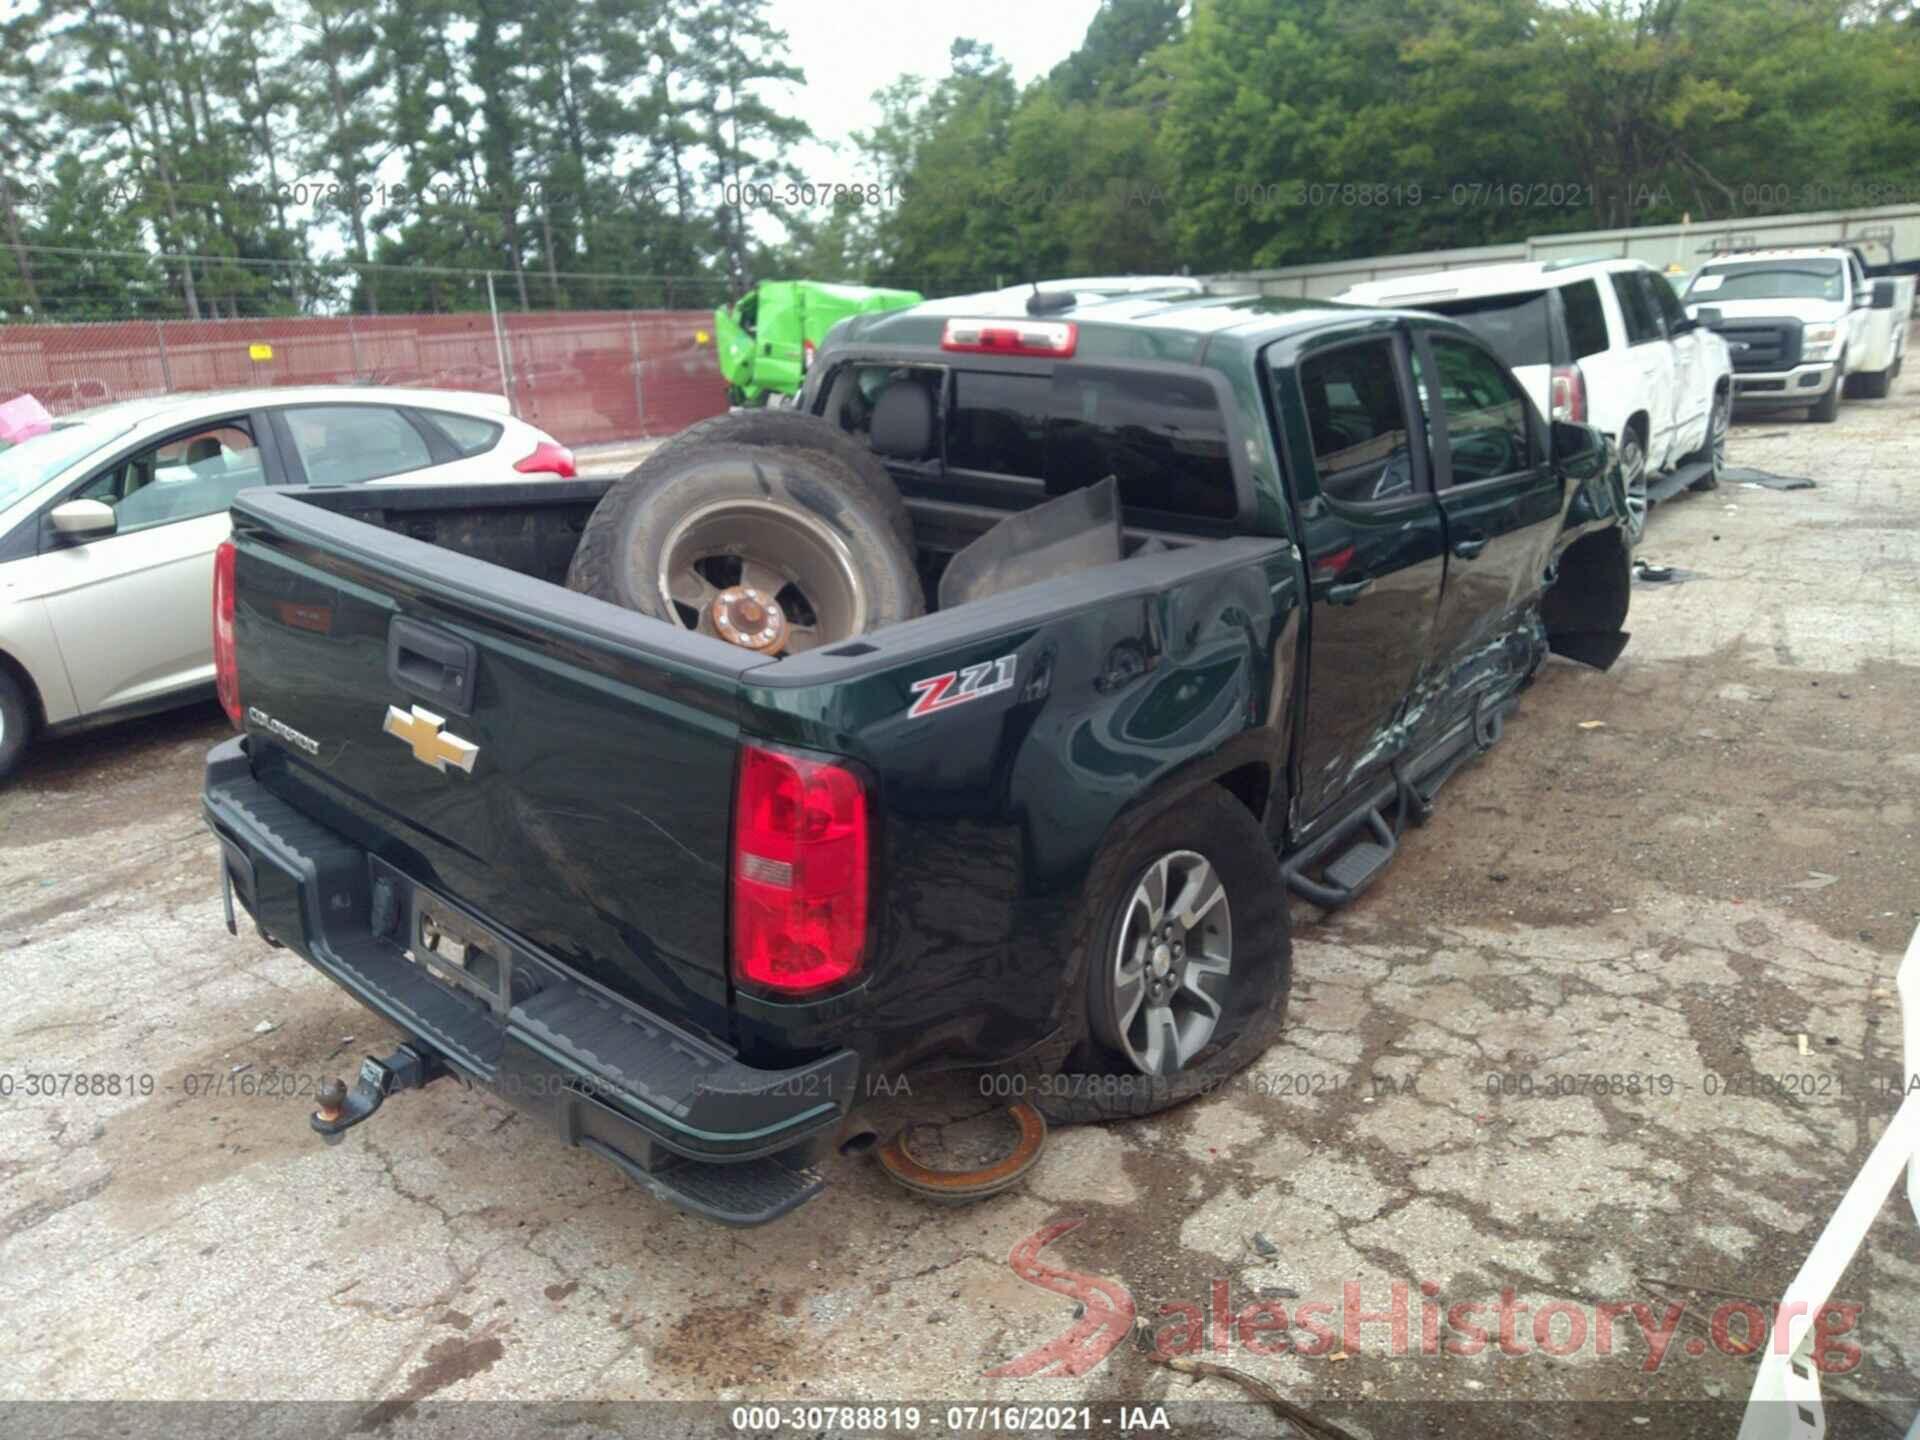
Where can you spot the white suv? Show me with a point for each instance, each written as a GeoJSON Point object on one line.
{"type": "Point", "coordinates": [1600, 341]}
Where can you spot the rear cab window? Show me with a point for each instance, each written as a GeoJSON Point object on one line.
{"type": "Point", "coordinates": [1159, 434]}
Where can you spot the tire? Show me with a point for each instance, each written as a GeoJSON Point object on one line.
{"type": "Point", "coordinates": [1098, 1080]}
{"type": "Point", "coordinates": [1719, 424]}
{"type": "Point", "coordinates": [16, 723]}
{"type": "Point", "coordinates": [1874, 384]}
{"type": "Point", "coordinates": [749, 521]}
{"type": "Point", "coordinates": [1827, 409]}
{"type": "Point", "coordinates": [1633, 474]}
{"type": "Point", "coordinates": [797, 430]}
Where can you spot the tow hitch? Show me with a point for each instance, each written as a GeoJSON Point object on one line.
{"type": "Point", "coordinates": [407, 1068]}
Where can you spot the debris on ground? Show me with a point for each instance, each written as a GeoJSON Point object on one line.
{"type": "Point", "coordinates": [1655, 574]}
{"type": "Point", "coordinates": [1262, 1246]}
{"type": "Point", "coordinates": [1764, 479]}
{"type": "Point", "coordinates": [968, 1158]}
{"type": "Point", "coordinates": [1593, 724]}
{"type": "Point", "coordinates": [1305, 1420]}
{"type": "Point", "coordinates": [265, 1027]}
{"type": "Point", "coordinates": [1816, 880]}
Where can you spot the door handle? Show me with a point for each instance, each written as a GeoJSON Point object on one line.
{"type": "Point", "coordinates": [1348, 591]}
{"type": "Point", "coordinates": [432, 665]}
{"type": "Point", "coordinates": [1471, 546]}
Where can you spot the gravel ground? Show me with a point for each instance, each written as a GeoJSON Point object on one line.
{"type": "Point", "coordinates": [1695, 873]}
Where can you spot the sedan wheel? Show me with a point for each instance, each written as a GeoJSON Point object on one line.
{"type": "Point", "coordinates": [1172, 966]}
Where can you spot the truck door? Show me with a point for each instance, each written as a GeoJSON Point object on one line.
{"type": "Point", "coordinates": [1372, 538]}
{"type": "Point", "coordinates": [1500, 496]}
{"type": "Point", "coordinates": [1692, 386]}
{"type": "Point", "coordinates": [1649, 357]}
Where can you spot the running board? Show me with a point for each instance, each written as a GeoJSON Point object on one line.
{"type": "Point", "coordinates": [1665, 487]}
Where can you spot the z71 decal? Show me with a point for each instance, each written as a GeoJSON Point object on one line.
{"type": "Point", "coordinates": [956, 687]}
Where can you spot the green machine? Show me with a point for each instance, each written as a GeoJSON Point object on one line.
{"type": "Point", "coordinates": [766, 339]}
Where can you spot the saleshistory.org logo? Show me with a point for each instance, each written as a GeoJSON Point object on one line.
{"type": "Point", "coordinates": [1105, 1316]}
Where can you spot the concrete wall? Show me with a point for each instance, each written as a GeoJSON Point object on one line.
{"type": "Point", "coordinates": [1888, 231]}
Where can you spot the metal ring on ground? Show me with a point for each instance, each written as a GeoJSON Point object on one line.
{"type": "Point", "coordinates": [955, 1186]}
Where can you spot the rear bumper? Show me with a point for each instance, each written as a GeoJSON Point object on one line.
{"type": "Point", "coordinates": [1799, 386]}
{"type": "Point", "coordinates": [681, 1115]}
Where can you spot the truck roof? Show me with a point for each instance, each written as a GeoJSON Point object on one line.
{"type": "Point", "coordinates": [1171, 313]}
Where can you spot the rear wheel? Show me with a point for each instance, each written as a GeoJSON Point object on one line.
{"type": "Point", "coordinates": [1719, 423]}
{"type": "Point", "coordinates": [1185, 960]}
{"type": "Point", "coordinates": [16, 723]}
{"type": "Point", "coordinates": [1633, 472]}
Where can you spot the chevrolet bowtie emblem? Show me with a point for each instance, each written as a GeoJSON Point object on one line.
{"type": "Point", "coordinates": [421, 730]}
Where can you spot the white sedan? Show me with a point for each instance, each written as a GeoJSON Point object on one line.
{"type": "Point", "coordinates": [110, 517]}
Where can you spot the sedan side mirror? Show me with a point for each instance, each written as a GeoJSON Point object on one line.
{"type": "Point", "coordinates": [83, 519]}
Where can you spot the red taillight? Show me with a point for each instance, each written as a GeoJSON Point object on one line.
{"type": "Point", "coordinates": [1567, 392]}
{"type": "Point", "coordinates": [799, 872]}
{"type": "Point", "coordinates": [548, 459]}
{"type": "Point", "coordinates": [226, 664]}
{"type": "Point", "coordinates": [1053, 339]}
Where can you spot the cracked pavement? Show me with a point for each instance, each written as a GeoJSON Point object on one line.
{"type": "Point", "coordinates": [1674, 896]}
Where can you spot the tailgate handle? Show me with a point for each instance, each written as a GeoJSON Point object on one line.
{"type": "Point", "coordinates": [432, 665]}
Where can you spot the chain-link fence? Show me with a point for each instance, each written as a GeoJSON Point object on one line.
{"type": "Point", "coordinates": [588, 358]}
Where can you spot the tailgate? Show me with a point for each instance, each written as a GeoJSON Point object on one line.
{"type": "Point", "coordinates": [577, 789]}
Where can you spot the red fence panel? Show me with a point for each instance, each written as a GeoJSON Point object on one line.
{"type": "Point", "coordinates": [583, 376]}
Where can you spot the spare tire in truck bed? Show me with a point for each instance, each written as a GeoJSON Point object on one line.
{"type": "Point", "coordinates": [768, 547]}
{"type": "Point", "coordinates": [798, 431]}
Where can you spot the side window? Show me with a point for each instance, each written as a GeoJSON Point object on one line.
{"type": "Point", "coordinates": [1358, 419]}
{"type": "Point", "coordinates": [345, 444]}
{"type": "Point", "coordinates": [185, 476]}
{"type": "Point", "coordinates": [468, 434]}
{"type": "Point", "coordinates": [1672, 313]}
{"type": "Point", "coordinates": [1486, 413]}
{"type": "Point", "coordinates": [1636, 306]}
{"type": "Point", "coordinates": [1586, 319]}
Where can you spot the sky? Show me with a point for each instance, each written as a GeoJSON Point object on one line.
{"type": "Point", "coordinates": [851, 48]}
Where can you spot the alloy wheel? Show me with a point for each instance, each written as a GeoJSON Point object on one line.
{"type": "Point", "coordinates": [1171, 968]}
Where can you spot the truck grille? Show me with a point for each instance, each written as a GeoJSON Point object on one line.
{"type": "Point", "coordinates": [1762, 344]}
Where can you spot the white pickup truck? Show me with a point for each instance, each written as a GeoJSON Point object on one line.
{"type": "Point", "coordinates": [1806, 326]}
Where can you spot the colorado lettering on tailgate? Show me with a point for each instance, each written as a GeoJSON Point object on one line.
{"type": "Point", "coordinates": [956, 687]}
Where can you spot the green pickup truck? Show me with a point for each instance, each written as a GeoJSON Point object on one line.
{"type": "Point", "coordinates": [688, 892]}
{"type": "Point", "coordinates": [767, 338]}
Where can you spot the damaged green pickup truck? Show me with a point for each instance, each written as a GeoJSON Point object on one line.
{"type": "Point", "coordinates": [684, 892]}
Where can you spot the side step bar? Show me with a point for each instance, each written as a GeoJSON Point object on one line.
{"type": "Point", "coordinates": [1665, 487]}
{"type": "Point", "coordinates": [1362, 843]}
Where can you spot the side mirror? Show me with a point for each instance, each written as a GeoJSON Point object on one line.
{"type": "Point", "coordinates": [1883, 294]}
{"type": "Point", "coordinates": [1707, 315]}
{"type": "Point", "coordinates": [1862, 299]}
{"type": "Point", "coordinates": [1571, 440]}
{"type": "Point", "coordinates": [83, 519]}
